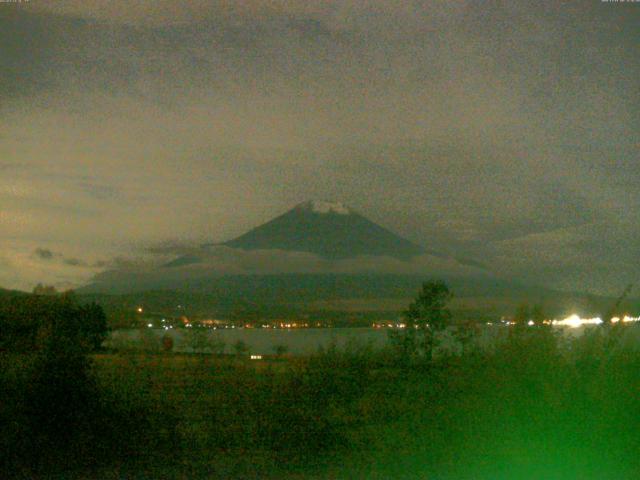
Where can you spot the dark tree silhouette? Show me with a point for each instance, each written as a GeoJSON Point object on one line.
{"type": "Point", "coordinates": [31, 322]}
{"type": "Point", "coordinates": [41, 289]}
{"type": "Point", "coordinates": [427, 314]}
{"type": "Point", "coordinates": [280, 350]}
{"type": "Point", "coordinates": [241, 348]}
{"type": "Point", "coordinates": [537, 315]}
{"type": "Point", "coordinates": [93, 326]}
{"type": "Point", "coordinates": [522, 315]}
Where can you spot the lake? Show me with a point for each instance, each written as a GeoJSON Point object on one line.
{"type": "Point", "coordinates": [301, 341]}
{"type": "Point", "coordinates": [260, 341]}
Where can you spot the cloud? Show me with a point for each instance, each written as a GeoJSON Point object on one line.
{"type": "Point", "coordinates": [8, 166]}
{"type": "Point", "coordinates": [173, 248]}
{"type": "Point", "coordinates": [594, 256]}
{"type": "Point", "coordinates": [98, 191]}
{"type": "Point", "coordinates": [345, 13]}
{"type": "Point", "coordinates": [167, 12]}
{"type": "Point", "coordinates": [43, 253]}
{"type": "Point", "coordinates": [466, 127]}
{"type": "Point", "coordinates": [75, 262]}
{"type": "Point", "coordinates": [204, 264]}
{"type": "Point", "coordinates": [47, 255]}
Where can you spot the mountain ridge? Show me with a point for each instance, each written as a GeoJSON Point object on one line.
{"type": "Point", "coordinates": [328, 229]}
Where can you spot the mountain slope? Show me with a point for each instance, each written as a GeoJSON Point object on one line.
{"type": "Point", "coordinates": [329, 230]}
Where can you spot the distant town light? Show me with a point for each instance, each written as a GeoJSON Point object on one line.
{"type": "Point", "coordinates": [530, 323]}
{"type": "Point", "coordinates": [574, 321]}
{"type": "Point", "coordinates": [149, 325]}
{"type": "Point", "coordinates": [256, 357]}
{"type": "Point", "coordinates": [139, 309]}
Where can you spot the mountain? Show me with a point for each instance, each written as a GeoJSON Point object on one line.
{"type": "Point", "coordinates": [328, 229]}
{"type": "Point", "coordinates": [313, 238]}
{"type": "Point", "coordinates": [314, 252]}
{"type": "Point", "coordinates": [319, 258]}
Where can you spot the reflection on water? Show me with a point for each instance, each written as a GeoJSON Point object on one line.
{"type": "Point", "coordinates": [295, 341]}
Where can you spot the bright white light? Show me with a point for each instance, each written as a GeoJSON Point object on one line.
{"type": "Point", "coordinates": [139, 309]}
{"type": "Point", "coordinates": [628, 319]}
{"type": "Point", "coordinates": [574, 321]}
{"type": "Point", "coordinates": [615, 319]}
{"type": "Point", "coordinates": [530, 323]}
{"type": "Point", "coordinates": [149, 325]}
{"type": "Point", "coordinates": [256, 357]}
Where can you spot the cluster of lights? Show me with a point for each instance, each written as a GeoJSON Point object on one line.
{"type": "Point", "coordinates": [392, 325]}
{"type": "Point", "coordinates": [625, 319]}
{"type": "Point", "coordinates": [574, 321]}
{"type": "Point", "coordinates": [165, 327]}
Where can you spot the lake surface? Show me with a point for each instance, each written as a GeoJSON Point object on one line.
{"type": "Point", "coordinates": [260, 341]}
{"type": "Point", "coordinates": [302, 341]}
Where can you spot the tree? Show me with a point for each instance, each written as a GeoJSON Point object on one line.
{"type": "Point", "coordinates": [197, 339]}
{"type": "Point", "coordinates": [218, 345]}
{"type": "Point", "coordinates": [426, 315]}
{"type": "Point", "coordinates": [280, 350]}
{"type": "Point", "coordinates": [31, 322]}
{"type": "Point", "coordinates": [62, 393]}
{"type": "Point", "coordinates": [167, 342]}
{"type": "Point", "coordinates": [41, 289]}
{"type": "Point", "coordinates": [429, 309]}
{"type": "Point", "coordinates": [522, 315]}
{"type": "Point", "coordinates": [93, 325]}
{"type": "Point", "coordinates": [241, 348]}
{"type": "Point", "coordinates": [537, 315]}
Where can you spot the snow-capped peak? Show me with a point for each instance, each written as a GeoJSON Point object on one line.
{"type": "Point", "coordinates": [320, 206]}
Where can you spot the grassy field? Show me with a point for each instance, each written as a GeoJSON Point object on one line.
{"type": "Point", "coordinates": [531, 409]}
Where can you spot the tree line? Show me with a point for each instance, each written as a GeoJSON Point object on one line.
{"type": "Point", "coordinates": [30, 323]}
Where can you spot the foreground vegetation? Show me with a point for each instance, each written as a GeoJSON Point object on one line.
{"type": "Point", "coordinates": [536, 406]}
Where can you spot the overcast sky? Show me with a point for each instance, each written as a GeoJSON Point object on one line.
{"type": "Point", "coordinates": [506, 132]}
